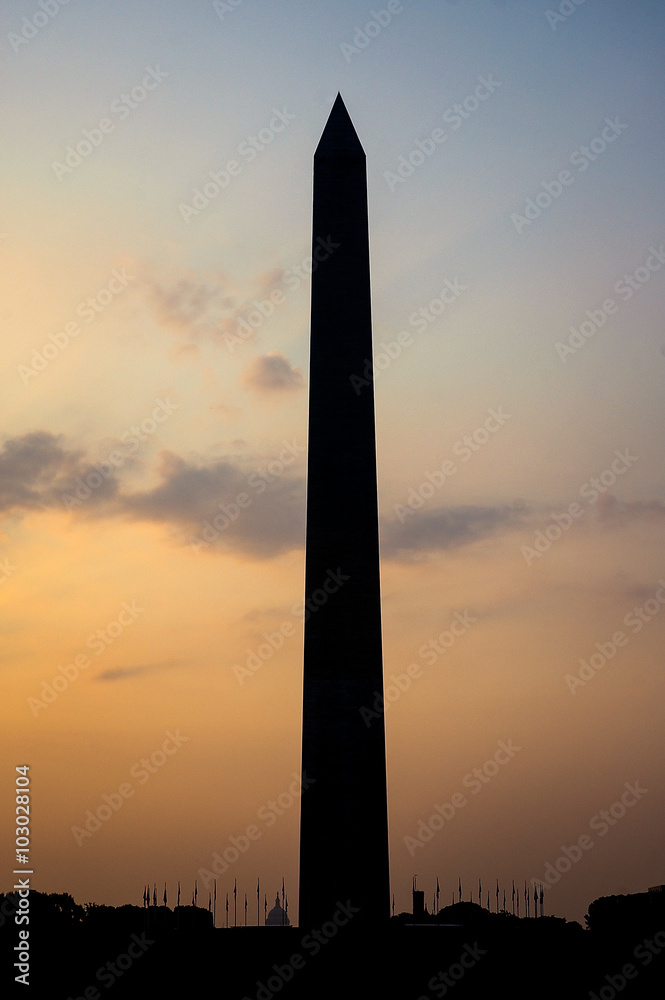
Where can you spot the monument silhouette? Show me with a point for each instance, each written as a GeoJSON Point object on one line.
{"type": "Point", "coordinates": [344, 820]}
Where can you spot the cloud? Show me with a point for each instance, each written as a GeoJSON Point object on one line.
{"type": "Point", "coordinates": [207, 304]}
{"type": "Point", "coordinates": [225, 504]}
{"type": "Point", "coordinates": [231, 503]}
{"type": "Point", "coordinates": [447, 528]}
{"type": "Point", "coordinates": [272, 373]}
{"type": "Point", "coordinates": [254, 512]}
{"type": "Point", "coordinates": [124, 673]}
{"type": "Point", "coordinates": [37, 471]}
{"type": "Point", "coordinates": [611, 512]}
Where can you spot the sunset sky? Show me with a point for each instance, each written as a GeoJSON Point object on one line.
{"type": "Point", "coordinates": [154, 370]}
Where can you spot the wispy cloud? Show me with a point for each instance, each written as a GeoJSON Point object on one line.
{"type": "Point", "coordinates": [205, 304]}
{"type": "Point", "coordinates": [272, 373]}
{"type": "Point", "coordinates": [125, 673]}
{"type": "Point", "coordinates": [447, 528]}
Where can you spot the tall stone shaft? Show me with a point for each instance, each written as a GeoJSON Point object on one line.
{"type": "Point", "coordinates": [344, 816]}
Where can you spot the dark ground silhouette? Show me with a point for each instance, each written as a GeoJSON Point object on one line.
{"type": "Point", "coordinates": [130, 951]}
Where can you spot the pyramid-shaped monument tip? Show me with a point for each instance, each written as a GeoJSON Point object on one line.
{"type": "Point", "coordinates": [339, 137]}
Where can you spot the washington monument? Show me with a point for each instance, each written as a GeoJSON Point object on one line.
{"type": "Point", "coordinates": [344, 816]}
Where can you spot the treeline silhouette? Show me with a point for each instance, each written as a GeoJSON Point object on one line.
{"type": "Point", "coordinates": [463, 951]}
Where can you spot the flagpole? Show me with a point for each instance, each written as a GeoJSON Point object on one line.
{"type": "Point", "coordinates": [258, 903]}
{"type": "Point", "coordinates": [235, 903]}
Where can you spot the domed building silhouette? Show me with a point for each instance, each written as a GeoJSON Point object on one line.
{"type": "Point", "coordinates": [277, 917]}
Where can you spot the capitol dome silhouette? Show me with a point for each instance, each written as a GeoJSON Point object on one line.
{"type": "Point", "coordinates": [277, 916]}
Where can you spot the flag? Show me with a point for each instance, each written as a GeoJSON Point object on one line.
{"type": "Point", "coordinates": [196, 893]}
{"type": "Point", "coordinates": [178, 893]}
{"type": "Point", "coordinates": [165, 894]}
{"type": "Point", "coordinates": [459, 888]}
